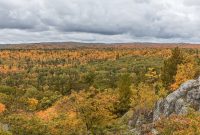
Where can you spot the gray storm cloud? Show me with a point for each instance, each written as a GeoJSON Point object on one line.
{"type": "Point", "coordinates": [99, 20]}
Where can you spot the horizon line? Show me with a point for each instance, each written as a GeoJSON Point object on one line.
{"type": "Point", "coordinates": [105, 43]}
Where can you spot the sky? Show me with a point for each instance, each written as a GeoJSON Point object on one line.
{"type": "Point", "coordinates": [106, 21]}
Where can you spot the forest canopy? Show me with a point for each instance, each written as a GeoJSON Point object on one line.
{"type": "Point", "coordinates": [88, 90]}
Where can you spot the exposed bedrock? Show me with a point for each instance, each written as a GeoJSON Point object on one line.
{"type": "Point", "coordinates": [178, 102]}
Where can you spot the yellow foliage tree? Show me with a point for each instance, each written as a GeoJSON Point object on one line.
{"type": "Point", "coordinates": [82, 112]}
{"type": "Point", "coordinates": [151, 75]}
{"type": "Point", "coordinates": [95, 108]}
{"type": "Point", "coordinates": [185, 71]}
{"type": "Point", "coordinates": [144, 97]}
{"type": "Point", "coordinates": [32, 103]}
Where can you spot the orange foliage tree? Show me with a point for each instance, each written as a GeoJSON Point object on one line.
{"type": "Point", "coordinates": [2, 108]}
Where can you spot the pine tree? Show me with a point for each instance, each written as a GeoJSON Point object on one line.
{"type": "Point", "coordinates": [124, 84]}
{"type": "Point", "coordinates": [170, 67]}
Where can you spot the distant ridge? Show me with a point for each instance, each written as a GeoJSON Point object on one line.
{"type": "Point", "coordinates": [71, 45]}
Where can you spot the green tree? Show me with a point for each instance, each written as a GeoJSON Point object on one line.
{"type": "Point", "coordinates": [170, 67]}
{"type": "Point", "coordinates": [124, 84]}
{"type": "Point", "coordinates": [89, 78]}
{"type": "Point", "coordinates": [24, 125]}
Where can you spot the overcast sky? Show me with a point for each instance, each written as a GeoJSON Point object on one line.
{"type": "Point", "coordinates": [99, 21]}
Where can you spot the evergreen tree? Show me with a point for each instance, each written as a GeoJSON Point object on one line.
{"type": "Point", "coordinates": [170, 67]}
{"type": "Point", "coordinates": [124, 84]}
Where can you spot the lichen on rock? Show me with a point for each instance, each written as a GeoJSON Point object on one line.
{"type": "Point", "coordinates": [179, 101]}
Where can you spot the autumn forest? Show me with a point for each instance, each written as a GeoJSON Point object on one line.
{"type": "Point", "coordinates": [93, 90]}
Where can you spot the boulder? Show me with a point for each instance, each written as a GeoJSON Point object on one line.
{"type": "Point", "coordinates": [179, 101]}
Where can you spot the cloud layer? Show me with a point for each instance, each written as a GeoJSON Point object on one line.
{"type": "Point", "coordinates": [99, 20]}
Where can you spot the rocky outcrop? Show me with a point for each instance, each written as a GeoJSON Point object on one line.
{"type": "Point", "coordinates": [178, 102]}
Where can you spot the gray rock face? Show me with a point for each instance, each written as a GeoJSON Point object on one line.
{"type": "Point", "coordinates": [185, 97]}
{"type": "Point", "coordinates": [178, 102]}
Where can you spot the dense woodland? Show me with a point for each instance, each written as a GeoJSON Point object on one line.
{"type": "Point", "coordinates": [87, 90]}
